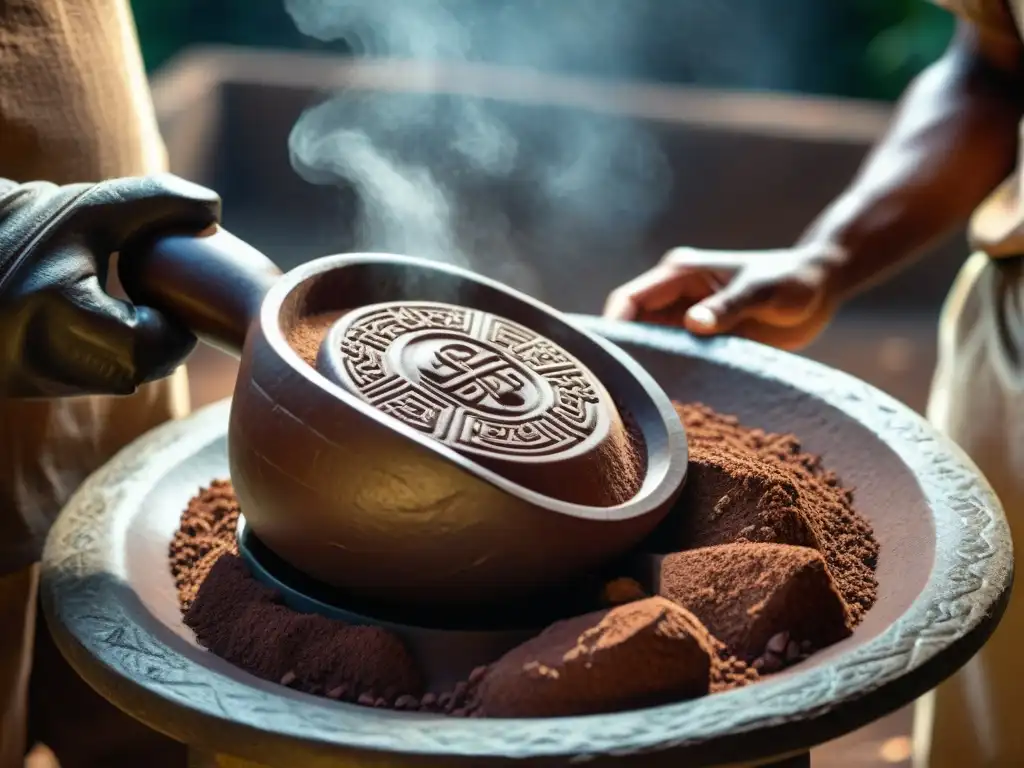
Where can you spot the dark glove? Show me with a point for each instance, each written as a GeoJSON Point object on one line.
{"type": "Point", "coordinates": [61, 333]}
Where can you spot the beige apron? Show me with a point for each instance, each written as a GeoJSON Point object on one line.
{"type": "Point", "coordinates": [975, 718]}
{"type": "Point", "coordinates": [977, 398]}
{"type": "Point", "coordinates": [74, 106]}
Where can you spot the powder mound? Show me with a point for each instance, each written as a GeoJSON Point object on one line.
{"type": "Point", "coordinates": [733, 497]}
{"type": "Point", "coordinates": [844, 538]}
{"type": "Point", "coordinates": [206, 531]}
{"type": "Point", "coordinates": [245, 623]}
{"type": "Point", "coordinates": [751, 494]}
{"type": "Point", "coordinates": [746, 594]}
{"type": "Point", "coordinates": [641, 654]}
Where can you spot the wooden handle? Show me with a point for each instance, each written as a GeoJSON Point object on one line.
{"type": "Point", "coordinates": [212, 283]}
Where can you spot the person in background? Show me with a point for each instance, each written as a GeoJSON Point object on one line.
{"type": "Point", "coordinates": [74, 108]}
{"type": "Point", "coordinates": [951, 150]}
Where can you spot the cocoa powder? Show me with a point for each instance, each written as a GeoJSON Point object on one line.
{"type": "Point", "coordinates": [641, 654]}
{"type": "Point", "coordinates": [745, 594]}
{"type": "Point", "coordinates": [787, 497]}
{"type": "Point", "coordinates": [244, 622]}
{"type": "Point", "coordinates": [732, 496]}
{"type": "Point", "coordinates": [239, 619]}
{"type": "Point", "coordinates": [206, 531]}
{"type": "Point", "coordinates": [743, 597]}
{"type": "Point", "coordinates": [306, 336]}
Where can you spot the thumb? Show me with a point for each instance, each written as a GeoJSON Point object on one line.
{"type": "Point", "coordinates": [728, 307]}
{"type": "Point", "coordinates": [102, 345]}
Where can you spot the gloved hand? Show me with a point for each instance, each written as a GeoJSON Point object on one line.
{"type": "Point", "coordinates": [61, 334]}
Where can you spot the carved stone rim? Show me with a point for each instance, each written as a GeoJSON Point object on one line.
{"type": "Point", "coordinates": [952, 617]}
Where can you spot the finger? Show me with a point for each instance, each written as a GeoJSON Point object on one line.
{"type": "Point", "coordinates": [620, 306]}
{"type": "Point", "coordinates": [648, 290]}
{"type": "Point", "coordinates": [659, 290]}
{"type": "Point", "coordinates": [122, 209]}
{"type": "Point", "coordinates": [712, 261]}
{"type": "Point", "coordinates": [102, 345]}
{"type": "Point", "coordinates": [724, 309]}
{"type": "Point", "coordinates": [716, 268]}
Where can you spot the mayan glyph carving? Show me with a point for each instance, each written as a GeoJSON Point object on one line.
{"type": "Point", "coordinates": [471, 379]}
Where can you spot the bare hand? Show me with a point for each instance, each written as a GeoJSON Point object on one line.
{"type": "Point", "coordinates": [778, 297]}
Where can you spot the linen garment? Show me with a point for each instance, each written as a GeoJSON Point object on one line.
{"type": "Point", "coordinates": [74, 107]}
{"type": "Point", "coordinates": [977, 399]}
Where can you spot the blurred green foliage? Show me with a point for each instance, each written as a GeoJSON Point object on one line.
{"type": "Point", "coordinates": [902, 37]}
{"type": "Point", "coordinates": [874, 48]}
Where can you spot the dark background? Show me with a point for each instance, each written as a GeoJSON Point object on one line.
{"type": "Point", "coordinates": [857, 48]}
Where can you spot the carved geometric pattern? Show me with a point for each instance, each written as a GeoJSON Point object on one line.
{"type": "Point", "coordinates": [99, 621]}
{"type": "Point", "coordinates": [469, 379]}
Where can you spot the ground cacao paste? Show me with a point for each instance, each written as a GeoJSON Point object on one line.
{"type": "Point", "coordinates": [761, 562]}
{"type": "Point", "coordinates": [774, 493]}
{"type": "Point", "coordinates": [746, 594]}
{"type": "Point", "coordinates": [238, 618]}
{"type": "Point", "coordinates": [640, 654]}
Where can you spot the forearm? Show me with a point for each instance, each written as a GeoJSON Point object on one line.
{"type": "Point", "coordinates": [952, 141]}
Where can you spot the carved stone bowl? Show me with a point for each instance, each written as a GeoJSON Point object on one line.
{"type": "Point", "coordinates": [944, 576]}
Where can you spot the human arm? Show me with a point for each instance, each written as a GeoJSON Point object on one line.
{"type": "Point", "coordinates": [953, 138]}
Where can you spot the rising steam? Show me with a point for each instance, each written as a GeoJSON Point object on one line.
{"type": "Point", "coordinates": [443, 176]}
